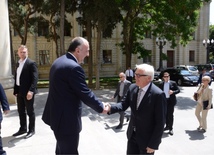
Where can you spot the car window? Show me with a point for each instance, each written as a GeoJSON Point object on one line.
{"type": "Point", "coordinates": [192, 68]}
{"type": "Point", "coordinates": [185, 72]}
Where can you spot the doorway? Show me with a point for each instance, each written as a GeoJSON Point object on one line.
{"type": "Point", "coordinates": [170, 60]}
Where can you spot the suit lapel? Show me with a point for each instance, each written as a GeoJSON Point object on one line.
{"type": "Point", "coordinates": [146, 96]}
{"type": "Point", "coordinates": [135, 93]}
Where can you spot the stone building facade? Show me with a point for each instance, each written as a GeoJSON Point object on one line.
{"type": "Point", "coordinates": [113, 61]}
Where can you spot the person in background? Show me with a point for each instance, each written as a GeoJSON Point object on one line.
{"type": "Point", "coordinates": [205, 94]}
{"type": "Point", "coordinates": [6, 109]}
{"type": "Point", "coordinates": [203, 73]}
{"type": "Point", "coordinates": [148, 112]}
{"type": "Point", "coordinates": [25, 88]}
{"type": "Point", "coordinates": [129, 74]}
{"type": "Point", "coordinates": [67, 90]}
{"type": "Point", "coordinates": [120, 92]}
{"type": "Point", "coordinates": [170, 89]}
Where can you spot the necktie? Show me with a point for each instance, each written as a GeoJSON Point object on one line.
{"type": "Point", "coordinates": [139, 97]}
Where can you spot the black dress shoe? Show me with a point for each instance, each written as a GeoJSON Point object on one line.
{"type": "Point", "coordinates": [119, 127]}
{"type": "Point", "coordinates": [20, 132]}
{"type": "Point", "coordinates": [171, 132]}
{"type": "Point", "coordinates": [166, 128]}
{"type": "Point", "coordinates": [127, 118]}
{"type": "Point", "coordinates": [29, 134]}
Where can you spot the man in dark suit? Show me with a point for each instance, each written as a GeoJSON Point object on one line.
{"type": "Point", "coordinates": [170, 89]}
{"type": "Point", "coordinates": [67, 91]}
{"type": "Point", "coordinates": [148, 110]}
{"type": "Point", "coordinates": [26, 77]}
{"type": "Point", "coordinates": [122, 87]}
{"type": "Point", "coordinates": [6, 109]}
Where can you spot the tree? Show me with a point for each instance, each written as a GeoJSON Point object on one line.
{"type": "Point", "coordinates": [103, 16]}
{"type": "Point", "coordinates": [21, 16]}
{"type": "Point", "coordinates": [173, 20]}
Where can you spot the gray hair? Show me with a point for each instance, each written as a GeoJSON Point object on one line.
{"type": "Point", "coordinates": [148, 70]}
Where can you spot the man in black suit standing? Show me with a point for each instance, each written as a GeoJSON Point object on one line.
{"type": "Point", "coordinates": [67, 91]}
{"type": "Point", "coordinates": [170, 89]}
{"type": "Point", "coordinates": [26, 77]}
{"type": "Point", "coordinates": [122, 87]}
{"type": "Point", "coordinates": [148, 110]}
{"type": "Point", "coordinates": [6, 109]}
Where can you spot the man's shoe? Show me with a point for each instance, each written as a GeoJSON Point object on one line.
{"type": "Point", "coordinates": [166, 128]}
{"type": "Point", "coordinates": [202, 130]}
{"type": "Point", "coordinates": [127, 118]}
{"type": "Point", "coordinates": [20, 132]}
{"type": "Point", "coordinates": [171, 132]}
{"type": "Point", "coordinates": [29, 134]}
{"type": "Point", "coordinates": [119, 127]}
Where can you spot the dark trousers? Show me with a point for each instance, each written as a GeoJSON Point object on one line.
{"type": "Point", "coordinates": [122, 113]}
{"type": "Point", "coordinates": [129, 78]}
{"type": "Point", "coordinates": [2, 152]}
{"type": "Point", "coordinates": [133, 147]}
{"type": "Point", "coordinates": [66, 144]}
{"type": "Point", "coordinates": [26, 105]}
{"type": "Point", "coordinates": [170, 114]}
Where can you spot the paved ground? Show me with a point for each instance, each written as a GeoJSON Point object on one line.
{"type": "Point", "coordinates": [99, 136]}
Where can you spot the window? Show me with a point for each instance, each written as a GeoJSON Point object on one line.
{"type": "Point", "coordinates": [67, 30]}
{"type": "Point", "coordinates": [148, 59]}
{"type": "Point", "coordinates": [15, 33]}
{"type": "Point", "coordinates": [43, 28]}
{"type": "Point", "coordinates": [16, 57]}
{"type": "Point", "coordinates": [107, 56]}
{"type": "Point", "coordinates": [44, 57]}
{"type": "Point", "coordinates": [191, 55]}
{"type": "Point", "coordinates": [148, 34]}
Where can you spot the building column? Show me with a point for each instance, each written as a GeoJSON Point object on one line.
{"type": "Point", "coordinates": [6, 77]}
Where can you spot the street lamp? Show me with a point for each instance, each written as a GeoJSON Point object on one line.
{"type": "Point", "coordinates": [160, 43]}
{"type": "Point", "coordinates": [208, 44]}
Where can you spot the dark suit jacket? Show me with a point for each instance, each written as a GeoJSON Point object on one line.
{"type": "Point", "coordinates": [67, 90]}
{"type": "Point", "coordinates": [149, 118]}
{"type": "Point", "coordinates": [28, 78]}
{"type": "Point", "coordinates": [174, 87]}
{"type": "Point", "coordinates": [125, 89]}
{"type": "Point", "coordinates": [4, 103]}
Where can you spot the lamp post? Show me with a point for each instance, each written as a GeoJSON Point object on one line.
{"type": "Point", "coordinates": [208, 44]}
{"type": "Point", "coordinates": [160, 43]}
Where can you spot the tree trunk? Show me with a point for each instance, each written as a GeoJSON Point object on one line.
{"type": "Point", "coordinates": [98, 57]}
{"type": "Point", "coordinates": [62, 22]}
{"type": "Point", "coordinates": [90, 59]}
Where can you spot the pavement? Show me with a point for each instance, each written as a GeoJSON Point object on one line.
{"type": "Point", "coordinates": [99, 136]}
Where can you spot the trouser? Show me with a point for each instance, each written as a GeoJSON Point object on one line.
{"type": "Point", "coordinates": [201, 116]}
{"type": "Point", "coordinates": [1, 146]}
{"type": "Point", "coordinates": [134, 148]}
{"type": "Point", "coordinates": [67, 144]}
{"type": "Point", "coordinates": [26, 105]}
{"type": "Point", "coordinates": [170, 114]}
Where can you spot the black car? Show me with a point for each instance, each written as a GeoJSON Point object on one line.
{"type": "Point", "coordinates": [181, 77]}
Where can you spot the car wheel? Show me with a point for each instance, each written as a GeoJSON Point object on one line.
{"type": "Point", "coordinates": [179, 82]}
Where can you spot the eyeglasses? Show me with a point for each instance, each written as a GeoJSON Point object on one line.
{"type": "Point", "coordinates": [165, 76]}
{"type": "Point", "coordinates": [120, 76]}
{"type": "Point", "coordinates": [139, 75]}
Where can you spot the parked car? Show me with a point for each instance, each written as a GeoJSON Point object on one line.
{"type": "Point", "coordinates": [156, 75]}
{"type": "Point", "coordinates": [191, 69]}
{"type": "Point", "coordinates": [209, 68]}
{"type": "Point", "coordinates": [181, 76]}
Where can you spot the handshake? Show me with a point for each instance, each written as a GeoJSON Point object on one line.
{"type": "Point", "coordinates": [106, 107]}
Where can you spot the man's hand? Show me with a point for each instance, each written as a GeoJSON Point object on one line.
{"type": "Point", "coordinates": [107, 107]}
{"type": "Point", "coordinates": [6, 112]}
{"type": "Point", "coordinates": [29, 95]}
{"type": "Point", "coordinates": [150, 150]}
